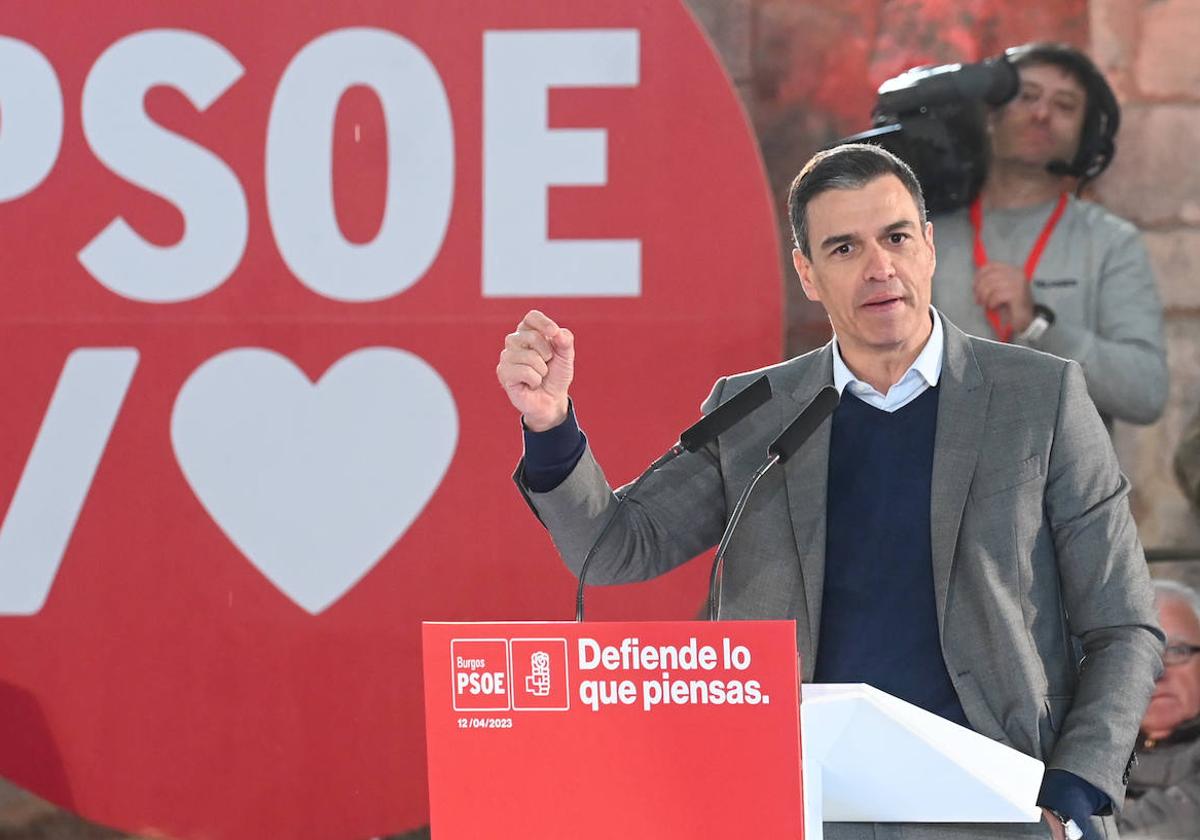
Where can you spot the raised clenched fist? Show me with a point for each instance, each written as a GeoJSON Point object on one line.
{"type": "Point", "coordinates": [536, 368]}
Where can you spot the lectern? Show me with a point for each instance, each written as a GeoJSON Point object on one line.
{"type": "Point", "coordinates": [664, 730]}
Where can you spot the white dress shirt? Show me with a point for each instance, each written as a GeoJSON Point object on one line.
{"type": "Point", "coordinates": [922, 375]}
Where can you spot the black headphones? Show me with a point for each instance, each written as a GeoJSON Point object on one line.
{"type": "Point", "coordinates": [1097, 145]}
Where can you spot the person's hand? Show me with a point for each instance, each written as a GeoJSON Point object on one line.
{"type": "Point", "coordinates": [1003, 287]}
{"type": "Point", "coordinates": [1057, 831]}
{"type": "Point", "coordinates": [536, 368]}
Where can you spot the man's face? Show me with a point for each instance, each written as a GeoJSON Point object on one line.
{"type": "Point", "coordinates": [872, 265]}
{"type": "Point", "coordinates": [1045, 120]}
{"type": "Point", "coordinates": [1177, 694]}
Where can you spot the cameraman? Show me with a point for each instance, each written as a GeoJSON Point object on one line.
{"type": "Point", "coordinates": [1049, 270]}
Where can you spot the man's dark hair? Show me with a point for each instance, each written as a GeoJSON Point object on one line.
{"type": "Point", "coordinates": [1063, 56]}
{"type": "Point", "coordinates": [1102, 114]}
{"type": "Point", "coordinates": [848, 167]}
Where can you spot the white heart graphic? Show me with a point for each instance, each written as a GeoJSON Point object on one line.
{"type": "Point", "coordinates": [314, 483]}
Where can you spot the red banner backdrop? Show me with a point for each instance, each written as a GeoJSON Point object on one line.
{"type": "Point", "coordinates": [259, 262]}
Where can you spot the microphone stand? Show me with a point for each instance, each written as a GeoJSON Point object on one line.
{"type": "Point", "coordinates": [718, 567]}
{"type": "Point", "coordinates": [666, 458]}
{"type": "Point", "coordinates": [720, 420]}
{"type": "Point", "coordinates": [782, 448]}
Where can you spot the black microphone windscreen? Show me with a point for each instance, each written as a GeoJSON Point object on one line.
{"type": "Point", "coordinates": [722, 418]}
{"type": "Point", "coordinates": [802, 427]}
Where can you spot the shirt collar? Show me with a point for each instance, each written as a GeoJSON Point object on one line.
{"type": "Point", "coordinates": [928, 362]}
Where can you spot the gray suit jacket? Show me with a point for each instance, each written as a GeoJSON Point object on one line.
{"type": "Point", "coordinates": [1034, 547]}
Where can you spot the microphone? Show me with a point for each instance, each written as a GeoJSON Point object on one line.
{"type": "Point", "coordinates": [703, 432]}
{"type": "Point", "coordinates": [801, 429]}
{"type": "Point", "coordinates": [780, 450]}
{"type": "Point", "coordinates": [725, 416]}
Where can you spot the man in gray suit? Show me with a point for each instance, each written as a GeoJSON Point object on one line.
{"type": "Point", "coordinates": [949, 535]}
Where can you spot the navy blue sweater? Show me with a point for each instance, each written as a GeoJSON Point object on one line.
{"type": "Point", "coordinates": [879, 620]}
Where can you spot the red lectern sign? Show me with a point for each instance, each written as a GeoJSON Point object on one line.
{"type": "Point", "coordinates": [613, 729]}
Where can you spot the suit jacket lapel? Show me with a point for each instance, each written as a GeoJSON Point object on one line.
{"type": "Point", "coordinates": [962, 409]}
{"type": "Point", "coordinates": [806, 475]}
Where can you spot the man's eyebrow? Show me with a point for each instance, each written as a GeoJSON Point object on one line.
{"type": "Point", "coordinates": [837, 239]}
{"type": "Point", "coordinates": [843, 238]}
{"type": "Point", "coordinates": [902, 224]}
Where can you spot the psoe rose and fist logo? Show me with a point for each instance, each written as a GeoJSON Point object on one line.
{"type": "Point", "coordinates": [259, 262]}
{"type": "Point", "coordinates": [492, 675]}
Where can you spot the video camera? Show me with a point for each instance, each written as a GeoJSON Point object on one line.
{"type": "Point", "coordinates": [935, 120]}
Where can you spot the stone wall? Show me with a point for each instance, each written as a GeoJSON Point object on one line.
{"type": "Point", "coordinates": [1147, 49]}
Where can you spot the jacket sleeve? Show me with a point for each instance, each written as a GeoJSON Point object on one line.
{"type": "Point", "coordinates": [1106, 594]}
{"type": "Point", "coordinates": [1124, 361]}
{"type": "Point", "coordinates": [676, 514]}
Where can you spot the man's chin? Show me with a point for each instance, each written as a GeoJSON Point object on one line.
{"type": "Point", "coordinates": [1035, 162]}
{"type": "Point", "coordinates": [896, 329]}
{"type": "Point", "coordinates": [1163, 714]}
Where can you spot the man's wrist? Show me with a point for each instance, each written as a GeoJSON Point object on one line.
{"type": "Point", "coordinates": [550, 456]}
{"type": "Point", "coordinates": [1071, 798]}
{"type": "Point", "coordinates": [1071, 829]}
{"type": "Point", "coordinates": [545, 424]}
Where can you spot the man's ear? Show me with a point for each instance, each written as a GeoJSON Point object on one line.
{"type": "Point", "coordinates": [929, 239]}
{"type": "Point", "coordinates": [804, 271]}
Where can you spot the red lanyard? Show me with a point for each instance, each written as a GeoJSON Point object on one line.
{"type": "Point", "coordinates": [1004, 331]}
